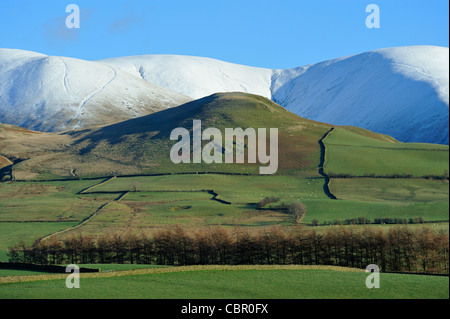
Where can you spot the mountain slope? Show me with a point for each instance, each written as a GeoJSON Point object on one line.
{"type": "Point", "coordinates": [48, 93]}
{"type": "Point", "coordinates": [402, 92]}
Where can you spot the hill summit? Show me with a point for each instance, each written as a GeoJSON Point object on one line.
{"type": "Point", "coordinates": [143, 145]}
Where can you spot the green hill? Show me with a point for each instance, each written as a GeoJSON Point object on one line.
{"type": "Point", "coordinates": [142, 145]}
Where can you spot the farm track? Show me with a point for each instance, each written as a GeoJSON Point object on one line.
{"type": "Point", "coordinates": [97, 211]}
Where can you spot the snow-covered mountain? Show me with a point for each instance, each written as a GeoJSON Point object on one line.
{"type": "Point", "coordinates": [402, 92]}
{"type": "Point", "coordinates": [49, 93]}
{"type": "Point", "coordinates": [194, 76]}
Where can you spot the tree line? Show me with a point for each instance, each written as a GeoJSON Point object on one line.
{"type": "Point", "coordinates": [367, 221]}
{"type": "Point", "coordinates": [443, 177]}
{"type": "Point", "coordinates": [398, 249]}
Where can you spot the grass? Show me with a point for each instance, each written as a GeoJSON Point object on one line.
{"type": "Point", "coordinates": [236, 189]}
{"type": "Point", "coordinates": [184, 200]}
{"type": "Point", "coordinates": [382, 158]}
{"type": "Point", "coordinates": [13, 233]}
{"type": "Point", "coordinates": [103, 267]}
{"type": "Point", "coordinates": [142, 145]}
{"type": "Point", "coordinates": [155, 202]}
{"type": "Point", "coordinates": [397, 190]}
{"type": "Point", "coordinates": [45, 201]}
{"type": "Point", "coordinates": [232, 282]}
{"type": "Point", "coordinates": [348, 209]}
{"type": "Point", "coordinates": [4, 162]}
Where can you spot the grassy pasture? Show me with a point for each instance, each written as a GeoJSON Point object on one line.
{"type": "Point", "coordinates": [45, 201]}
{"type": "Point", "coordinates": [158, 201]}
{"type": "Point", "coordinates": [29, 210]}
{"type": "Point", "coordinates": [12, 233]}
{"type": "Point", "coordinates": [152, 202]}
{"type": "Point", "coordinates": [236, 189]}
{"type": "Point", "coordinates": [390, 190]}
{"type": "Point", "coordinates": [358, 155]}
{"type": "Point", "coordinates": [340, 210]}
{"type": "Point", "coordinates": [33, 209]}
{"type": "Point", "coordinates": [236, 282]}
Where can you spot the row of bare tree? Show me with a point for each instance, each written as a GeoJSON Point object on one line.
{"type": "Point", "coordinates": [398, 249]}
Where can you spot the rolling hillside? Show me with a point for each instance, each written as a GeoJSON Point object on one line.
{"type": "Point", "coordinates": [143, 145]}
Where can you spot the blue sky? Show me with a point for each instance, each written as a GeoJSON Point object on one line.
{"type": "Point", "coordinates": [271, 34]}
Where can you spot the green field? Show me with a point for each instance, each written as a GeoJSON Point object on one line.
{"type": "Point", "coordinates": [408, 190]}
{"type": "Point", "coordinates": [354, 154]}
{"type": "Point", "coordinates": [232, 188]}
{"type": "Point", "coordinates": [243, 282]}
{"type": "Point", "coordinates": [102, 267]}
{"type": "Point", "coordinates": [55, 201]}
{"type": "Point", "coordinates": [152, 202]}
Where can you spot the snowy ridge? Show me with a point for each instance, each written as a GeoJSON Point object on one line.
{"type": "Point", "coordinates": [402, 92]}
{"type": "Point", "coordinates": [194, 76]}
{"type": "Point", "coordinates": [49, 93]}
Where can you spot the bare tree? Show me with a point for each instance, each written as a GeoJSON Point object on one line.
{"type": "Point", "coordinates": [267, 200]}
{"type": "Point", "coordinates": [298, 210]}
